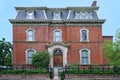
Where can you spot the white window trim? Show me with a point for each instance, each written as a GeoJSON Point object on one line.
{"type": "Point", "coordinates": [27, 54]}
{"type": "Point", "coordinates": [27, 35]}
{"type": "Point", "coordinates": [81, 14]}
{"type": "Point", "coordinates": [77, 14]}
{"type": "Point", "coordinates": [89, 14]}
{"type": "Point", "coordinates": [87, 35]}
{"type": "Point", "coordinates": [69, 14]}
{"type": "Point", "coordinates": [81, 56]}
{"type": "Point", "coordinates": [45, 14]}
{"type": "Point", "coordinates": [54, 35]}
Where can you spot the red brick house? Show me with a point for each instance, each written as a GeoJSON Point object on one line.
{"type": "Point", "coordinates": [70, 35]}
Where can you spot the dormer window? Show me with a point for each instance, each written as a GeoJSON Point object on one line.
{"type": "Point", "coordinates": [83, 15]}
{"type": "Point", "coordinates": [30, 15]}
{"type": "Point", "coordinates": [77, 16]}
{"type": "Point", "coordinates": [89, 15]}
{"type": "Point", "coordinates": [57, 16]}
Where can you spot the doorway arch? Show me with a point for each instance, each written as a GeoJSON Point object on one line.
{"type": "Point", "coordinates": [64, 50]}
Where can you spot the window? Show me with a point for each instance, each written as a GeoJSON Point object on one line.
{"type": "Point", "coordinates": [84, 35]}
{"type": "Point", "coordinates": [85, 56]}
{"type": "Point", "coordinates": [77, 16]}
{"type": "Point", "coordinates": [57, 16]}
{"type": "Point", "coordinates": [57, 35]}
{"type": "Point", "coordinates": [29, 55]}
{"type": "Point", "coordinates": [57, 52]}
{"type": "Point", "coordinates": [30, 15]}
{"type": "Point", "coordinates": [89, 15]}
{"type": "Point", "coordinates": [83, 15]}
{"type": "Point", "coordinates": [30, 35]}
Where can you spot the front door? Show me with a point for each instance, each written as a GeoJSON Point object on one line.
{"type": "Point", "coordinates": [58, 58]}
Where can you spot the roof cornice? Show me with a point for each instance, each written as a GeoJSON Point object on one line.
{"type": "Point", "coordinates": [91, 8]}
{"type": "Point", "coordinates": [58, 22]}
{"type": "Point", "coordinates": [31, 8]}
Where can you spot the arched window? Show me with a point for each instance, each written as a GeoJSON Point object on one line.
{"type": "Point", "coordinates": [84, 35]}
{"type": "Point", "coordinates": [57, 35]}
{"type": "Point", "coordinates": [83, 15]}
{"type": "Point", "coordinates": [29, 55]}
{"type": "Point", "coordinates": [85, 56]}
{"type": "Point", "coordinates": [57, 52]}
{"type": "Point", "coordinates": [89, 15]}
{"type": "Point", "coordinates": [30, 35]}
{"type": "Point", "coordinates": [77, 16]}
{"type": "Point", "coordinates": [57, 16]}
{"type": "Point", "coordinates": [30, 15]}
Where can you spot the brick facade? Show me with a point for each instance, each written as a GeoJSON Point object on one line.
{"type": "Point", "coordinates": [70, 35]}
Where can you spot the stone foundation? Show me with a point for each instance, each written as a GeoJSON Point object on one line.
{"type": "Point", "coordinates": [24, 77]}
{"type": "Point", "coordinates": [91, 77]}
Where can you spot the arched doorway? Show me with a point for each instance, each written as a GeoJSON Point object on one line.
{"type": "Point", "coordinates": [57, 58]}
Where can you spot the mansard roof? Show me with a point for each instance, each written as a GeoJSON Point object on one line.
{"type": "Point", "coordinates": [44, 13]}
{"type": "Point", "coordinates": [67, 15]}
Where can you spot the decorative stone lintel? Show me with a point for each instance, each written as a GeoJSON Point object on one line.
{"type": "Point", "coordinates": [57, 43]}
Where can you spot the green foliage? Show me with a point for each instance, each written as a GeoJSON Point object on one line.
{"type": "Point", "coordinates": [20, 71]}
{"type": "Point", "coordinates": [95, 71]}
{"type": "Point", "coordinates": [51, 73]}
{"type": "Point", "coordinates": [8, 60]}
{"type": "Point", "coordinates": [5, 51]}
{"type": "Point", "coordinates": [75, 65]}
{"type": "Point", "coordinates": [41, 59]}
{"type": "Point", "coordinates": [112, 50]}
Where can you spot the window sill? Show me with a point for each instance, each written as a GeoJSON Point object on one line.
{"type": "Point", "coordinates": [84, 41]}
{"type": "Point", "coordinates": [85, 64]}
{"type": "Point", "coordinates": [30, 41]}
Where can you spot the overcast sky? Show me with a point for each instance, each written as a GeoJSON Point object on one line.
{"type": "Point", "coordinates": [109, 10]}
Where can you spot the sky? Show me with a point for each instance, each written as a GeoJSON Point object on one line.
{"type": "Point", "coordinates": [109, 10]}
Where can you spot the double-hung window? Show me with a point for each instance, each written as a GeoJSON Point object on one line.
{"type": "Point", "coordinates": [30, 35]}
{"type": "Point", "coordinates": [57, 34]}
{"type": "Point", "coordinates": [84, 35]}
{"type": "Point", "coordinates": [85, 57]}
{"type": "Point", "coordinates": [29, 56]}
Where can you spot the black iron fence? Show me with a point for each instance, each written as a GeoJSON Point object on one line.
{"type": "Point", "coordinates": [90, 69]}
{"type": "Point", "coordinates": [25, 69]}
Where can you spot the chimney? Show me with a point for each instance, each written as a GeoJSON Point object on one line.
{"type": "Point", "coordinates": [94, 3]}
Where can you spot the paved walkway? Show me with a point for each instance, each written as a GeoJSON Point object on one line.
{"type": "Point", "coordinates": [56, 77]}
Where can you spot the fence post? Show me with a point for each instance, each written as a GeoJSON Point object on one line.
{"type": "Point", "coordinates": [23, 69]}
{"type": "Point", "coordinates": [90, 67]}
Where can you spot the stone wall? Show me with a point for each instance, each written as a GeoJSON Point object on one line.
{"type": "Point", "coordinates": [24, 77]}
{"type": "Point", "coordinates": [91, 77]}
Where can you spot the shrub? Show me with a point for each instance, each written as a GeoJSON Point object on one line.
{"type": "Point", "coordinates": [41, 59]}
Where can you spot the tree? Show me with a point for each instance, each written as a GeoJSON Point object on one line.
{"type": "Point", "coordinates": [112, 50]}
{"type": "Point", "coordinates": [5, 51]}
{"type": "Point", "coordinates": [41, 59]}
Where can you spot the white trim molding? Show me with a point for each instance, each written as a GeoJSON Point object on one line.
{"type": "Point", "coordinates": [80, 51]}
{"type": "Point", "coordinates": [33, 37]}
{"type": "Point", "coordinates": [87, 36]}
{"type": "Point", "coordinates": [54, 35]}
{"type": "Point", "coordinates": [64, 51]}
{"type": "Point", "coordinates": [26, 52]}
